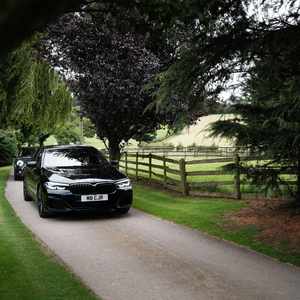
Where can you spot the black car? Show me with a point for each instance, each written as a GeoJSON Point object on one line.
{"type": "Point", "coordinates": [75, 178]}
{"type": "Point", "coordinates": [25, 155]}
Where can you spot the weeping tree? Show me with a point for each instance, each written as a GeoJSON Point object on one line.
{"type": "Point", "coordinates": [34, 100]}
{"type": "Point", "coordinates": [267, 117]}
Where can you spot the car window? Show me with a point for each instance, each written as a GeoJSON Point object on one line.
{"type": "Point", "coordinates": [75, 157]}
{"type": "Point", "coordinates": [27, 151]}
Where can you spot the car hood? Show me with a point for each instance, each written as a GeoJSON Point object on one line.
{"type": "Point", "coordinates": [93, 174]}
{"type": "Point", "coordinates": [24, 158]}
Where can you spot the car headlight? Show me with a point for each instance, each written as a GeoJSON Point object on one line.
{"type": "Point", "coordinates": [20, 163]}
{"type": "Point", "coordinates": [56, 186]}
{"type": "Point", "coordinates": [124, 184]}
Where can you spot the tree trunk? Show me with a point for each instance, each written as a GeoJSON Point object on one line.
{"type": "Point", "coordinates": [43, 138]}
{"type": "Point", "coordinates": [114, 153]}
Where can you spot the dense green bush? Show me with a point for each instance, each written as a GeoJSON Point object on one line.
{"type": "Point", "coordinates": [8, 147]}
{"type": "Point", "coordinates": [88, 128]}
{"type": "Point", "coordinates": [68, 134]}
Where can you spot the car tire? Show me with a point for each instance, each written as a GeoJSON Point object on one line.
{"type": "Point", "coordinates": [42, 206]}
{"type": "Point", "coordinates": [123, 211]}
{"type": "Point", "coordinates": [25, 194]}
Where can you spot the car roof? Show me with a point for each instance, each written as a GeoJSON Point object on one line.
{"type": "Point", "coordinates": [28, 147]}
{"type": "Point", "coordinates": [62, 147]}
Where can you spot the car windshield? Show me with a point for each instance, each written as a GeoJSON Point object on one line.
{"type": "Point", "coordinates": [76, 157]}
{"type": "Point", "coordinates": [27, 151]}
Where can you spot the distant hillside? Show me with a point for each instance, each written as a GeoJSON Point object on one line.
{"type": "Point", "coordinates": [199, 134]}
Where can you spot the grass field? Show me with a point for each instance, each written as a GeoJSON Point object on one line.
{"type": "Point", "coordinates": [206, 215]}
{"type": "Point", "coordinates": [26, 272]}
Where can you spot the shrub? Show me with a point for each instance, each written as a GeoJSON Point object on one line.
{"type": "Point", "coordinates": [179, 147]}
{"type": "Point", "coordinates": [192, 147]}
{"type": "Point", "coordinates": [68, 135]}
{"type": "Point", "coordinates": [8, 147]}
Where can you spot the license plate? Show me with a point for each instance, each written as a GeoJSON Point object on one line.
{"type": "Point", "coordinates": [92, 198]}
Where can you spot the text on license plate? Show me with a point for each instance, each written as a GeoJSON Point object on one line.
{"type": "Point", "coordinates": [100, 197]}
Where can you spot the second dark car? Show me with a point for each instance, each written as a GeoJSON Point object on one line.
{"type": "Point", "coordinates": [24, 155]}
{"type": "Point", "coordinates": [75, 178]}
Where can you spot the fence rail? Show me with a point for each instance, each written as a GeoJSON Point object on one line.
{"type": "Point", "coordinates": [190, 151]}
{"type": "Point", "coordinates": [186, 176]}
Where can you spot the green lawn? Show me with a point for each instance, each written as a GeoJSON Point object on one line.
{"type": "Point", "coordinates": [205, 215]}
{"type": "Point", "coordinates": [26, 272]}
{"type": "Point", "coordinates": [95, 142]}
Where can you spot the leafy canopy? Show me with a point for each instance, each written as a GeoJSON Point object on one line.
{"type": "Point", "coordinates": [33, 97]}
{"type": "Point", "coordinates": [268, 114]}
{"type": "Point", "coordinates": [109, 70]}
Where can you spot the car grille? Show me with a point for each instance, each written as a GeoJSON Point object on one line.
{"type": "Point", "coordinates": [90, 189]}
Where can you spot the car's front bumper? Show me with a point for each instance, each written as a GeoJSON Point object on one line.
{"type": "Point", "coordinates": [64, 201]}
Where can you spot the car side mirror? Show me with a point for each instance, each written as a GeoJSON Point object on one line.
{"type": "Point", "coordinates": [31, 164]}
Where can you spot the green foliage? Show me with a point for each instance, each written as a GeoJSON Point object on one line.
{"type": "Point", "coordinates": [69, 132]}
{"type": "Point", "coordinates": [89, 129]}
{"type": "Point", "coordinates": [267, 117]}
{"type": "Point", "coordinates": [15, 69]}
{"type": "Point", "coordinates": [108, 86]}
{"type": "Point", "coordinates": [147, 137]}
{"type": "Point", "coordinates": [33, 98]}
{"type": "Point", "coordinates": [8, 147]}
{"type": "Point", "coordinates": [49, 105]}
{"type": "Point", "coordinates": [179, 147]}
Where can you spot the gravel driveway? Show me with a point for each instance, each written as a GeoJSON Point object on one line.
{"type": "Point", "coordinates": [140, 257]}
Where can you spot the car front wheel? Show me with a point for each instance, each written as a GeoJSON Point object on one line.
{"type": "Point", "coordinates": [25, 194]}
{"type": "Point", "coordinates": [42, 205]}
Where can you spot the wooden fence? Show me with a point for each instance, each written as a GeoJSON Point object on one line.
{"type": "Point", "coordinates": [186, 152]}
{"type": "Point", "coordinates": [178, 175]}
{"type": "Point", "coordinates": [175, 174]}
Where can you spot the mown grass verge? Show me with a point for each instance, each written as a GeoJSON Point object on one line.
{"type": "Point", "coordinates": [206, 215]}
{"type": "Point", "coordinates": [26, 271]}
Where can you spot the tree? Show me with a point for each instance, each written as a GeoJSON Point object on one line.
{"type": "Point", "coordinates": [214, 40]}
{"type": "Point", "coordinates": [110, 71]}
{"type": "Point", "coordinates": [267, 120]}
{"type": "Point", "coordinates": [69, 132]}
{"type": "Point", "coordinates": [89, 129]}
{"type": "Point", "coordinates": [33, 97]}
{"type": "Point", "coordinates": [8, 147]}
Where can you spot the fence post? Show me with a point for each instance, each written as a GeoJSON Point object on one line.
{"type": "Point", "coordinates": [150, 165]}
{"type": "Point", "coordinates": [183, 177]}
{"type": "Point", "coordinates": [126, 163]}
{"type": "Point", "coordinates": [137, 166]}
{"type": "Point", "coordinates": [237, 177]}
{"type": "Point", "coordinates": [165, 170]}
